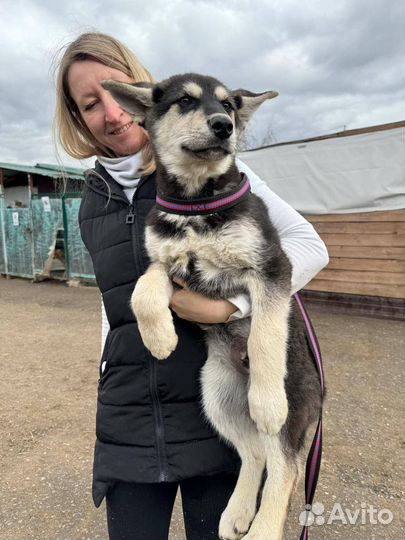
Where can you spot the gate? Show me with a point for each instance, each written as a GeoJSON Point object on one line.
{"type": "Point", "coordinates": [44, 240]}
{"type": "Point", "coordinates": [19, 244]}
{"type": "Point", "coordinates": [79, 262]}
{"type": "Point", "coordinates": [47, 220]}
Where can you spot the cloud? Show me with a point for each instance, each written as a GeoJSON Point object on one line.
{"type": "Point", "coordinates": [335, 64]}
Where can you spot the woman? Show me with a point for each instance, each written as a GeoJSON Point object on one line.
{"type": "Point", "coordinates": [151, 434]}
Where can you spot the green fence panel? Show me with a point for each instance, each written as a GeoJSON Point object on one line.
{"type": "Point", "coordinates": [19, 244]}
{"type": "Point", "coordinates": [79, 261]}
{"type": "Point", "coordinates": [3, 267]}
{"type": "Point", "coordinates": [47, 218]}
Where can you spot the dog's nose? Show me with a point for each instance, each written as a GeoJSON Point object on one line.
{"type": "Point", "coordinates": [221, 126]}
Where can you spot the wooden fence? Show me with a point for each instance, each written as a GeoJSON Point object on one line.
{"type": "Point", "coordinates": [366, 253]}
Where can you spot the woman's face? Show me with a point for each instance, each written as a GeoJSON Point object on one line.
{"type": "Point", "coordinates": [108, 123]}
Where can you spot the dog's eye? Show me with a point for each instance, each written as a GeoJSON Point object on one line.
{"type": "Point", "coordinates": [185, 100]}
{"type": "Point", "coordinates": [227, 105]}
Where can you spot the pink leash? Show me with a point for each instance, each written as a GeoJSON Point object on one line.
{"type": "Point", "coordinates": [315, 453]}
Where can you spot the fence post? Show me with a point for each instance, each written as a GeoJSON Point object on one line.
{"type": "Point", "coordinates": [65, 238]}
{"type": "Point", "coordinates": [31, 222]}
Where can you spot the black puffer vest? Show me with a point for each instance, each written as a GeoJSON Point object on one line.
{"type": "Point", "coordinates": [150, 426]}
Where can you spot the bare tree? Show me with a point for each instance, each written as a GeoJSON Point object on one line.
{"type": "Point", "coordinates": [250, 140]}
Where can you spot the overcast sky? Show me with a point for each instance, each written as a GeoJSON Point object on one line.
{"type": "Point", "coordinates": [337, 64]}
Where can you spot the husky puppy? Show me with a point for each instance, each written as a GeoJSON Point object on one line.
{"type": "Point", "coordinates": [260, 386]}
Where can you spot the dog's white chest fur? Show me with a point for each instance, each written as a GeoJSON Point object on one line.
{"type": "Point", "coordinates": [236, 245]}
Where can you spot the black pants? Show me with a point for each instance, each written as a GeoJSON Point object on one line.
{"type": "Point", "coordinates": [143, 511]}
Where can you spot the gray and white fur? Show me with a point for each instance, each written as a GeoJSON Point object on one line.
{"type": "Point", "coordinates": [260, 387]}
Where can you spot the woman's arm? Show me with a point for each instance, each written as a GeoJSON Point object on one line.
{"type": "Point", "coordinates": [105, 325]}
{"type": "Point", "coordinates": [195, 307]}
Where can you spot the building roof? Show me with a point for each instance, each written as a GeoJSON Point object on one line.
{"type": "Point", "coordinates": [45, 169]}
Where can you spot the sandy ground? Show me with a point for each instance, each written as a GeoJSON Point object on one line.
{"type": "Point", "coordinates": [50, 346]}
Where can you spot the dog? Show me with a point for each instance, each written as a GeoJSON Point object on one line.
{"type": "Point", "coordinates": [264, 408]}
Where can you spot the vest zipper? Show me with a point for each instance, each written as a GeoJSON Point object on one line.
{"type": "Point", "coordinates": [153, 362]}
{"type": "Point", "coordinates": [158, 421]}
{"type": "Point", "coordinates": [130, 217]}
{"type": "Point", "coordinates": [131, 220]}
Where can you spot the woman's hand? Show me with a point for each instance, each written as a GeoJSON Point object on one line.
{"type": "Point", "coordinates": [195, 307]}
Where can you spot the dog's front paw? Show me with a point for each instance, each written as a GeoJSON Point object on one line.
{"type": "Point", "coordinates": [235, 521]}
{"type": "Point", "coordinates": [160, 337]}
{"type": "Point", "coordinates": [268, 408]}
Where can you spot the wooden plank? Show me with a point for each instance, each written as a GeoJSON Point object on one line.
{"type": "Point", "coordinates": [370, 289]}
{"type": "Point", "coordinates": [389, 278]}
{"type": "Point", "coordinates": [367, 252]}
{"type": "Point", "coordinates": [376, 265]}
{"type": "Point", "coordinates": [392, 215]}
{"type": "Point", "coordinates": [374, 306]}
{"type": "Point", "coordinates": [374, 240]}
{"type": "Point", "coordinates": [375, 227]}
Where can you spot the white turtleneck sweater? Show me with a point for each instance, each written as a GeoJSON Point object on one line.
{"type": "Point", "coordinates": [299, 240]}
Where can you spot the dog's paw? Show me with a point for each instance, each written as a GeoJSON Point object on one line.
{"type": "Point", "coordinates": [163, 346]}
{"type": "Point", "coordinates": [160, 338]}
{"type": "Point", "coordinates": [235, 522]}
{"type": "Point", "coordinates": [268, 408]}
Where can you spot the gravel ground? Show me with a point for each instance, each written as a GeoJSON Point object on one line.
{"type": "Point", "coordinates": [50, 347]}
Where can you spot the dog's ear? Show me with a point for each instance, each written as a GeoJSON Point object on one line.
{"type": "Point", "coordinates": [136, 99]}
{"type": "Point", "coordinates": [247, 103]}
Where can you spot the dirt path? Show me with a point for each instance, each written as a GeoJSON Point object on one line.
{"type": "Point", "coordinates": [49, 351]}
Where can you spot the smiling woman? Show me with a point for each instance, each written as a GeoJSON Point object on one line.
{"type": "Point", "coordinates": [152, 436]}
{"type": "Point", "coordinates": [87, 121]}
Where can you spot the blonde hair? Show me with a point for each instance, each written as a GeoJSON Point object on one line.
{"type": "Point", "coordinates": [69, 127]}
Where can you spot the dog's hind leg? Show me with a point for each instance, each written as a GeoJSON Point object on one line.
{"type": "Point", "coordinates": [241, 509]}
{"type": "Point", "coordinates": [225, 404]}
{"type": "Point", "coordinates": [282, 477]}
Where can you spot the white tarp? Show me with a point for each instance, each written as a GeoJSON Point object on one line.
{"type": "Point", "coordinates": [356, 173]}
